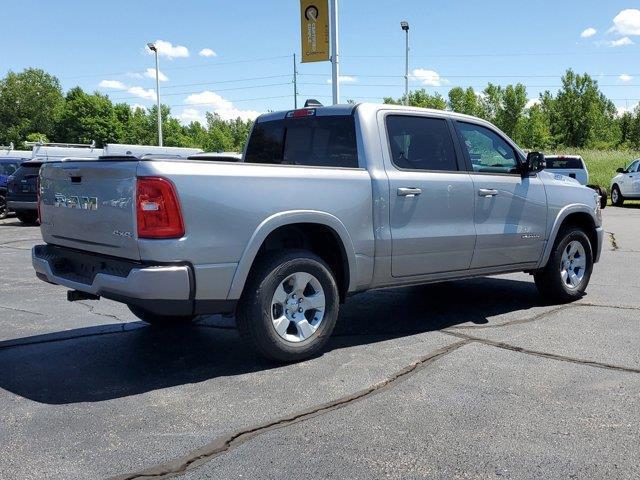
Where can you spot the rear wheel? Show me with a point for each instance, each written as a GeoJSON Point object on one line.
{"type": "Point", "coordinates": [567, 273]}
{"type": "Point", "coordinates": [160, 320]}
{"type": "Point", "coordinates": [616, 197]}
{"type": "Point", "coordinates": [289, 306]}
{"type": "Point", "coordinates": [30, 218]}
{"type": "Point", "coordinates": [3, 207]}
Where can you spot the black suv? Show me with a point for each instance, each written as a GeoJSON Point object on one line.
{"type": "Point", "coordinates": [22, 191]}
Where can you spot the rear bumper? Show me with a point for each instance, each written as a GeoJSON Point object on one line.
{"type": "Point", "coordinates": [16, 205]}
{"type": "Point", "coordinates": [161, 289]}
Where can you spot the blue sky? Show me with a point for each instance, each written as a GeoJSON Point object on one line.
{"type": "Point", "coordinates": [100, 46]}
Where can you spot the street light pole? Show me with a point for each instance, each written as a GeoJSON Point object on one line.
{"type": "Point", "coordinates": [335, 61]}
{"type": "Point", "coordinates": [405, 26]}
{"type": "Point", "coordinates": [153, 48]}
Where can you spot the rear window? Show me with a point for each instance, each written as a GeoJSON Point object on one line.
{"type": "Point", "coordinates": [312, 141]}
{"type": "Point", "coordinates": [8, 168]}
{"type": "Point", "coordinates": [560, 163]}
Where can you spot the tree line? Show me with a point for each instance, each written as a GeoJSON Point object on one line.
{"type": "Point", "coordinates": [33, 107]}
{"type": "Point", "coordinates": [578, 115]}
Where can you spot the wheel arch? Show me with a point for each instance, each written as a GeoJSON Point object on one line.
{"type": "Point", "coordinates": [297, 226]}
{"type": "Point", "coordinates": [577, 215]}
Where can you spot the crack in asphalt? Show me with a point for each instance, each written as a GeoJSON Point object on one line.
{"type": "Point", "coordinates": [92, 310]}
{"type": "Point", "coordinates": [17, 241]}
{"type": "Point", "coordinates": [537, 353]}
{"type": "Point", "coordinates": [223, 444]}
{"type": "Point", "coordinates": [612, 239]}
{"type": "Point", "coordinates": [520, 321]}
{"type": "Point", "coordinates": [20, 310]}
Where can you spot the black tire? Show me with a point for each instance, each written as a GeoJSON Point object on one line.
{"type": "Point", "coordinates": [254, 312]}
{"type": "Point", "coordinates": [29, 218]}
{"type": "Point", "coordinates": [616, 197]}
{"type": "Point", "coordinates": [3, 207]}
{"type": "Point", "coordinates": [549, 280]}
{"type": "Point", "coordinates": [603, 198]}
{"type": "Point", "coordinates": [602, 192]}
{"type": "Point", "coordinates": [160, 320]}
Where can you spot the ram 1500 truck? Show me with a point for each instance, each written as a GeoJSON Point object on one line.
{"type": "Point", "coordinates": [329, 201]}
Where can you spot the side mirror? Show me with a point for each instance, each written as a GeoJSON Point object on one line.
{"type": "Point", "coordinates": [535, 162]}
{"type": "Point", "coordinates": [620, 170]}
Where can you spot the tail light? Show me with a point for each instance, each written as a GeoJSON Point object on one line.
{"type": "Point", "coordinates": [158, 209]}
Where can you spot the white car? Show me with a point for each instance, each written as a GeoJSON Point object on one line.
{"type": "Point", "coordinates": [626, 184]}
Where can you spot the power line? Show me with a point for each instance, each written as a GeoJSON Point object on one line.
{"type": "Point", "coordinates": [513, 54]}
{"type": "Point", "coordinates": [218, 90]}
{"type": "Point", "coordinates": [183, 67]}
{"type": "Point", "coordinates": [228, 100]}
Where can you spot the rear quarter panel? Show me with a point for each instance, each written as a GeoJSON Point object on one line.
{"type": "Point", "coordinates": [225, 205]}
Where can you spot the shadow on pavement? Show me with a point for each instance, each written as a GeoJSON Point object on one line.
{"type": "Point", "coordinates": [107, 362]}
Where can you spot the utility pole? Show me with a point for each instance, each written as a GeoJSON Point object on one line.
{"type": "Point", "coordinates": [405, 26]}
{"type": "Point", "coordinates": [153, 48]}
{"type": "Point", "coordinates": [295, 82]}
{"type": "Point", "coordinates": [335, 56]}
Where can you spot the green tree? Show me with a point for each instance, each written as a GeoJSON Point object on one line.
{"type": "Point", "coordinates": [465, 101]}
{"type": "Point", "coordinates": [420, 98]}
{"type": "Point", "coordinates": [581, 115]}
{"type": "Point", "coordinates": [30, 101]}
{"type": "Point", "coordinates": [533, 129]}
{"type": "Point", "coordinates": [88, 117]}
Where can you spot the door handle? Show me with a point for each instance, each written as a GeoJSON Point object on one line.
{"type": "Point", "coordinates": [409, 192]}
{"type": "Point", "coordinates": [487, 192]}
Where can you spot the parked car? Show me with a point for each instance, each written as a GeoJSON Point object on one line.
{"type": "Point", "coordinates": [573, 166]}
{"type": "Point", "coordinates": [8, 166]}
{"type": "Point", "coordinates": [626, 184]}
{"type": "Point", "coordinates": [329, 201]}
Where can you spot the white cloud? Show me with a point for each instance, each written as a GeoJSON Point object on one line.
{"type": "Point", "coordinates": [344, 79]}
{"type": "Point", "coordinates": [211, 101]}
{"type": "Point", "coordinates": [134, 75]}
{"type": "Point", "coordinates": [428, 77]}
{"type": "Point", "coordinates": [621, 42]}
{"type": "Point", "coordinates": [170, 51]}
{"type": "Point", "coordinates": [532, 102]}
{"type": "Point", "coordinates": [588, 32]}
{"type": "Point", "coordinates": [189, 115]}
{"type": "Point", "coordinates": [207, 52]}
{"type": "Point", "coordinates": [147, 94]}
{"type": "Point", "coordinates": [627, 22]}
{"type": "Point", "coordinates": [625, 77]}
{"type": "Point", "coordinates": [113, 84]}
{"type": "Point", "coordinates": [622, 109]}
{"type": "Point", "coordinates": [136, 106]}
{"type": "Point", "coordinates": [151, 73]}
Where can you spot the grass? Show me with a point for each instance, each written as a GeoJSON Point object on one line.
{"type": "Point", "coordinates": [602, 164]}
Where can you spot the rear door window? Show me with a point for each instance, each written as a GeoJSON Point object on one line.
{"type": "Point", "coordinates": [421, 143]}
{"type": "Point", "coordinates": [313, 141]}
{"type": "Point", "coordinates": [563, 163]}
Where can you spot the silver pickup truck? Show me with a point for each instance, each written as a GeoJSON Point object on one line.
{"type": "Point", "coordinates": [329, 201]}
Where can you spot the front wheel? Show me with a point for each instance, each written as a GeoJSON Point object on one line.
{"type": "Point", "coordinates": [567, 273]}
{"type": "Point", "coordinates": [289, 306]}
{"type": "Point", "coordinates": [616, 197]}
{"type": "Point", "coordinates": [160, 320]}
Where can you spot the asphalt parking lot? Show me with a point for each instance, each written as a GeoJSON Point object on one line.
{"type": "Point", "coordinates": [469, 379]}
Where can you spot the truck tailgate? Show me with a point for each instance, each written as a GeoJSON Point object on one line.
{"type": "Point", "coordinates": [90, 205]}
